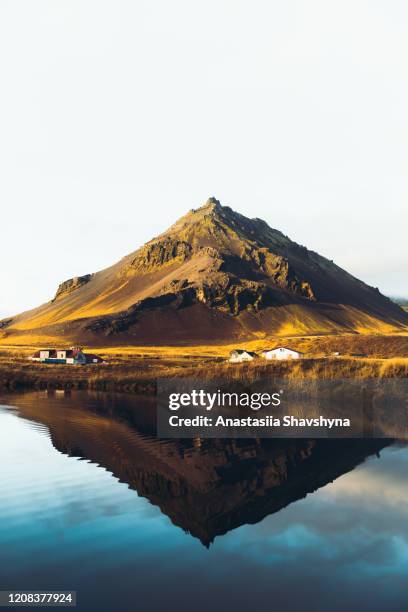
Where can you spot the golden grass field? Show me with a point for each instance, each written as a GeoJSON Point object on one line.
{"type": "Point", "coordinates": [347, 344]}
{"type": "Point", "coordinates": [136, 369]}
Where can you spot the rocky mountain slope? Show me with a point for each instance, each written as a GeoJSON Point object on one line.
{"type": "Point", "coordinates": [214, 276]}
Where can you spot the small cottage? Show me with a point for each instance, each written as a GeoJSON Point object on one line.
{"type": "Point", "coordinates": [281, 352]}
{"type": "Point", "coordinates": [238, 355]}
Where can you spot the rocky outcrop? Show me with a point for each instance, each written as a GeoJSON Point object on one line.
{"type": "Point", "coordinates": [232, 300]}
{"type": "Point", "coordinates": [71, 285]}
{"type": "Point", "coordinates": [234, 296]}
{"type": "Point", "coordinates": [278, 270]}
{"type": "Point", "coordinates": [157, 254]}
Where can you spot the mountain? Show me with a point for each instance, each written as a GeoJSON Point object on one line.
{"type": "Point", "coordinates": [214, 276]}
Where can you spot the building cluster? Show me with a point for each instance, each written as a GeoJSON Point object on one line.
{"type": "Point", "coordinates": [71, 356]}
{"type": "Point", "coordinates": [279, 353]}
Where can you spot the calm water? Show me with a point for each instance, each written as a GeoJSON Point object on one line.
{"type": "Point", "coordinates": [90, 501]}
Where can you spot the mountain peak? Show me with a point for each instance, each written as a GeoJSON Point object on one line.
{"type": "Point", "coordinates": [212, 203]}
{"type": "Point", "coordinates": [215, 274]}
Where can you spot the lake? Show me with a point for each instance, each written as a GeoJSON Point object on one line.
{"type": "Point", "coordinates": [91, 501]}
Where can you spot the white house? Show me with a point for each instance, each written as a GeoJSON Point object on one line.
{"type": "Point", "coordinates": [238, 355]}
{"type": "Point", "coordinates": [281, 352]}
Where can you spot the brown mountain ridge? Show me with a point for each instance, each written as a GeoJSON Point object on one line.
{"type": "Point", "coordinates": [214, 276]}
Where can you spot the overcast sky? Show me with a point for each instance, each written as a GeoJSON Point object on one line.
{"type": "Point", "coordinates": [117, 117]}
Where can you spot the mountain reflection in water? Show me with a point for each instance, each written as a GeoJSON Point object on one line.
{"type": "Point", "coordinates": [77, 473]}
{"type": "Point", "coordinates": [206, 487]}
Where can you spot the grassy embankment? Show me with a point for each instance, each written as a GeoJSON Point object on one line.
{"type": "Point", "coordinates": [136, 369]}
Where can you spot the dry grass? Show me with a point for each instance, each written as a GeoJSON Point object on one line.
{"type": "Point", "coordinates": [394, 368]}
{"type": "Point", "coordinates": [308, 369]}
{"type": "Point", "coordinates": [120, 373]}
{"type": "Point", "coordinates": [347, 345]}
{"type": "Point", "coordinates": [322, 346]}
{"type": "Point", "coordinates": [136, 369]}
{"type": "Point", "coordinates": [368, 345]}
{"type": "Point", "coordinates": [137, 374]}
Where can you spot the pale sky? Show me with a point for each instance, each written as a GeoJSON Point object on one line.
{"type": "Point", "coordinates": [117, 117]}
